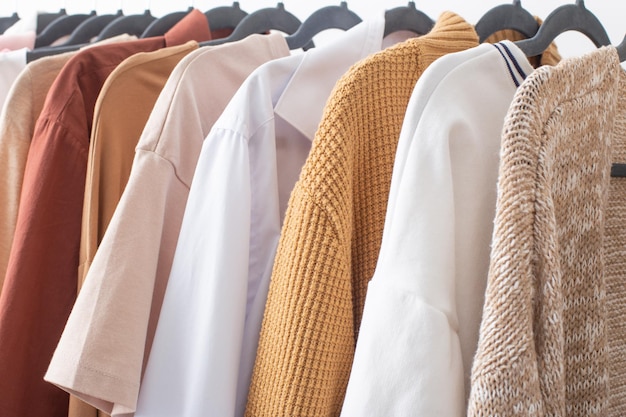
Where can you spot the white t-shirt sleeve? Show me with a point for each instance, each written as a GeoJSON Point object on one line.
{"type": "Point", "coordinates": [193, 365]}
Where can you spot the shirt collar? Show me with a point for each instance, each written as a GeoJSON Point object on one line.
{"type": "Point", "coordinates": [319, 71]}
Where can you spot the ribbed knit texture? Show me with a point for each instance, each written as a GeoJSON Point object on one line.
{"type": "Point", "coordinates": [333, 229]}
{"type": "Point", "coordinates": [546, 347]}
{"type": "Point", "coordinates": [615, 249]}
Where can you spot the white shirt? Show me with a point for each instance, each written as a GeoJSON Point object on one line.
{"type": "Point", "coordinates": [12, 63]}
{"type": "Point", "coordinates": [206, 340]}
{"type": "Point", "coordinates": [423, 306]}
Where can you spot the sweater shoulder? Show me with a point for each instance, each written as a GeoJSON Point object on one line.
{"type": "Point", "coordinates": [354, 114]}
{"type": "Point", "coordinates": [591, 77]}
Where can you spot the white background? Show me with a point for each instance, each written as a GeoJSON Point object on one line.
{"type": "Point", "coordinates": [612, 13]}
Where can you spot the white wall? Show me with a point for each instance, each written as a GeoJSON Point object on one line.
{"type": "Point", "coordinates": [612, 13]}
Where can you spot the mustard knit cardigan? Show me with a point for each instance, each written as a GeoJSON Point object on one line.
{"type": "Point", "coordinates": [553, 333]}
{"type": "Point", "coordinates": [333, 229]}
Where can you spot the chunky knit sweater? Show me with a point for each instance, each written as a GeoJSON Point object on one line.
{"type": "Point", "coordinates": [553, 334]}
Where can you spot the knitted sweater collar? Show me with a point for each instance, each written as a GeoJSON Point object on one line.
{"type": "Point", "coordinates": [450, 33]}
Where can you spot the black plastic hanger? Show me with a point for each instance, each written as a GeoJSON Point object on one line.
{"type": "Point", "coordinates": [90, 28]}
{"type": "Point", "coordinates": [44, 19]}
{"type": "Point", "coordinates": [621, 50]}
{"type": "Point", "coordinates": [60, 27]}
{"type": "Point", "coordinates": [134, 24]}
{"type": "Point", "coordinates": [330, 17]}
{"type": "Point", "coordinates": [225, 17]}
{"type": "Point", "coordinates": [161, 25]}
{"type": "Point", "coordinates": [35, 54]}
{"type": "Point", "coordinates": [507, 16]}
{"type": "Point", "coordinates": [562, 19]}
{"type": "Point", "coordinates": [262, 21]}
{"type": "Point", "coordinates": [407, 18]}
{"type": "Point", "coordinates": [7, 22]}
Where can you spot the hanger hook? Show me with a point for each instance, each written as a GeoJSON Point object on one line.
{"type": "Point", "coordinates": [148, 4]}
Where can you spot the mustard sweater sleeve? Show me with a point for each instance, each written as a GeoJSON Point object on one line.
{"type": "Point", "coordinates": [309, 305]}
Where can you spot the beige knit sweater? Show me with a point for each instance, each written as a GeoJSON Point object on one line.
{"type": "Point", "coordinates": [553, 334]}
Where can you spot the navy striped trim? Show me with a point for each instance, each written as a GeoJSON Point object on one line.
{"type": "Point", "coordinates": [506, 61]}
{"type": "Point", "coordinates": [512, 57]}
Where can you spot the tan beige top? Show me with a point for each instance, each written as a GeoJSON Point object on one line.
{"type": "Point", "coordinates": [102, 350]}
{"type": "Point", "coordinates": [122, 110]}
{"type": "Point", "coordinates": [553, 335]}
{"type": "Point", "coordinates": [17, 125]}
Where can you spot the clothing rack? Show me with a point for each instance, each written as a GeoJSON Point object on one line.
{"type": "Point", "coordinates": [223, 191]}
{"type": "Point", "coordinates": [568, 17]}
